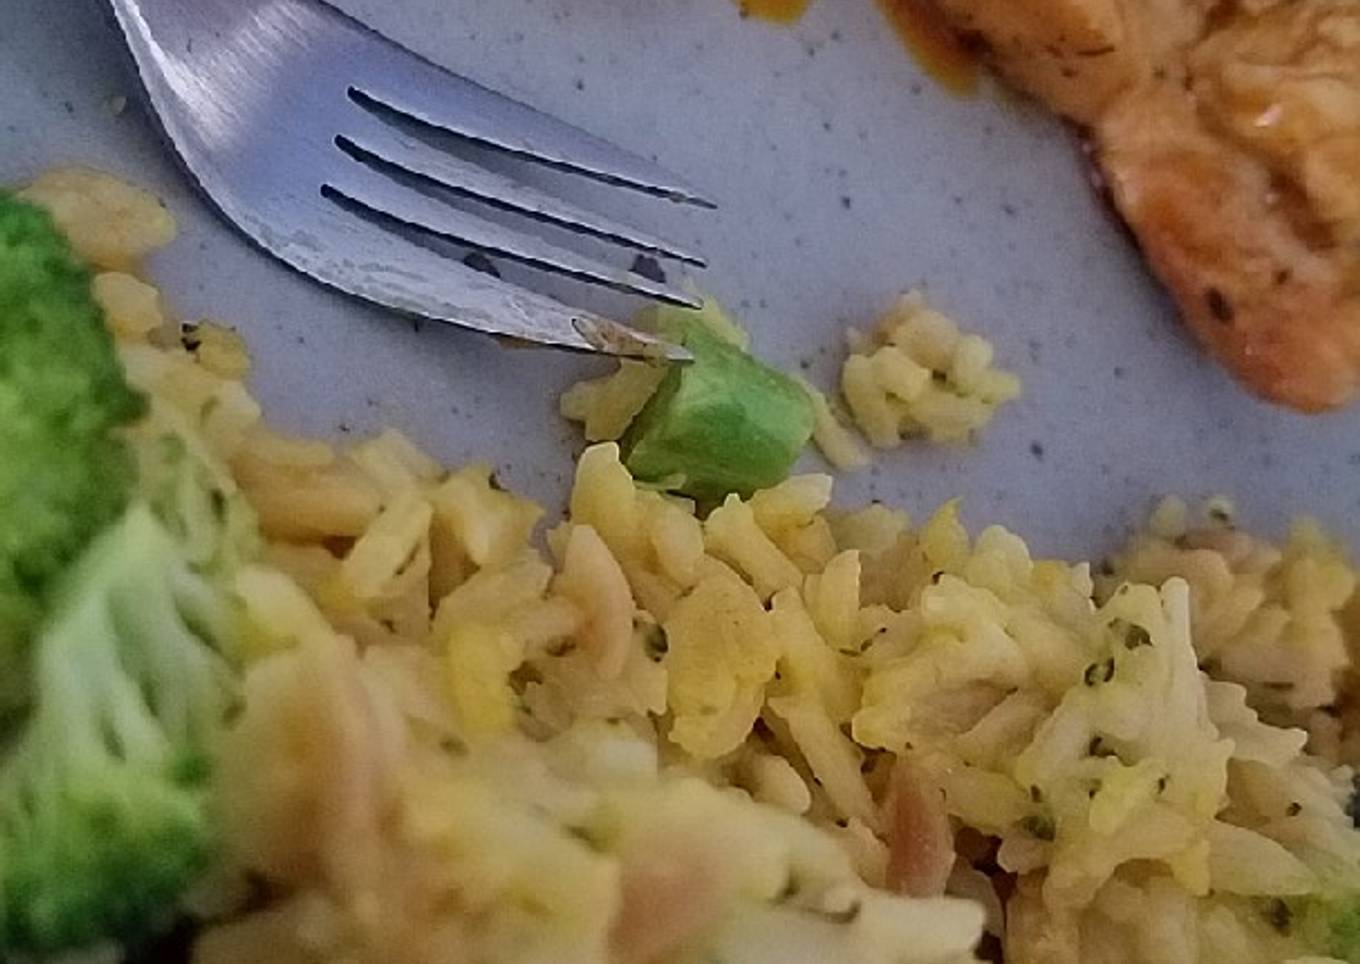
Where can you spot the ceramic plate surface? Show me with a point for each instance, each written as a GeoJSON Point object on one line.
{"type": "Point", "coordinates": [844, 177]}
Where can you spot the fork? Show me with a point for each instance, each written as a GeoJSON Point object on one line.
{"type": "Point", "coordinates": [328, 145]}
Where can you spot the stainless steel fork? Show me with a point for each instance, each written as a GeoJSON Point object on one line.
{"type": "Point", "coordinates": [320, 139]}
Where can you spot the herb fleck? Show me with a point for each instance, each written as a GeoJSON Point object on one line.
{"type": "Point", "coordinates": [1132, 635]}
{"type": "Point", "coordinates": [583, 835]}
{"type": "Point", "coordinates": [1097, 747]}
{"type": "Point", "coordinates": [1101, 672]}
{"type": "Point", "coordinates": [1040, 826]}
{"type": "Point", "coordinates": [564, 648]}
{"type": "Point", "coordinates": [1279, 915]}
{"type": "Point", "coordinates": [656, 644]}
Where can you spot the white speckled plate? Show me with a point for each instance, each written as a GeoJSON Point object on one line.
{"type": "Point", "coordinates": [844, 177]}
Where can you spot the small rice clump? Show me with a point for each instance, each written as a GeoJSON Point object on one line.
{"type": "Point", "coordinates": [918, 375]}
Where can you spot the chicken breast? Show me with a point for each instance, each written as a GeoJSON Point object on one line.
{"type": "Point", "coordinates": [1229, 133]}
{"type": "Point", "coordinates": [1079, 56]}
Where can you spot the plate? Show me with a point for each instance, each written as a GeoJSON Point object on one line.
{"type": "Point", "coordinates": [844, 176]}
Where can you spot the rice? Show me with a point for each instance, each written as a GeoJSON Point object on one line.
{"type": "Point", "coordinates": [833, 438]}
{"type": "Point", "coordinates": [917, 374]}
{"type": "Point", "coordinates": [1267, 617]}
{"type": "Point", "coordinates": [110, 223]}
{"type": "Point", "coordinates": [131, 306]}
{"type": "Point", "coordinates": [781, 732]}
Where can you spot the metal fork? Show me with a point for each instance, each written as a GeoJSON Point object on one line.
{"type": "Point", "coordinates": [320, 139]}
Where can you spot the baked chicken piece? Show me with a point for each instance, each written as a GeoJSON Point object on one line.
{"type": "Point", "coordinates": [1228, 132]}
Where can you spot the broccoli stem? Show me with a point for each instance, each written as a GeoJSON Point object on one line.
{"type": "Point", "coordinates": [721, 424]}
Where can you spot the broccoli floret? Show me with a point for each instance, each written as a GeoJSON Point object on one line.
{"type": "Point", "coordinates": [1325, 925]}
{"type": "Point", "coordinates": [64, 472]}
{"type": "Point", "coordinates": [1344, 934]}
{"type": "Point", "coordinates": [103, 793]}
{"type": "Point", "coordinates": [194, 497]}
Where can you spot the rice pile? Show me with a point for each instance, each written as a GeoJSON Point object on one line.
{"type": "Point", "coordinates": [783, 732]}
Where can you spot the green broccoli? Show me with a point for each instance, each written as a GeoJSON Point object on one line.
{"type": "Point", "coordinates": [194, 497]}
{"type": "Point", "coordinates": [1344, 934]}
{"type": "Point", "coordinates": [64, 472]}
{"type": "Point", "coordinates": [723, 423]}
{"type": "Point", "coordinates": [103, 792]}
{"type": "Point", "coordinates": [1325, 925]}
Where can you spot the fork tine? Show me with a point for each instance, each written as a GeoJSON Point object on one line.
{"type": "Point", "coordinates": [255, 112]}
{"type": "Point", "coordinates": [402, 82]}
{"type": "Point", "coordinates": [383, 195]}
{"type": "Point", "coordinates": [378, 140]}
{"type": "Point", "coordinates": [369, 262]}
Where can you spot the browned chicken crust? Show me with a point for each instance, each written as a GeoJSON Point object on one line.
{"type": "Point", "coordinates": [1229, 133]}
